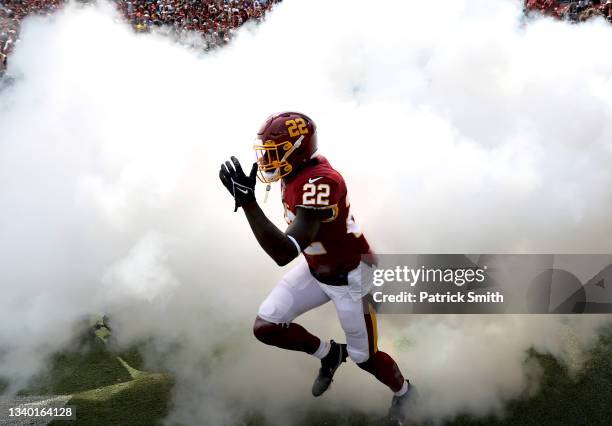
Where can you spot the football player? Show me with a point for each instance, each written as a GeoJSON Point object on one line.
{"type": "Point", "coordinates": [322, 228]}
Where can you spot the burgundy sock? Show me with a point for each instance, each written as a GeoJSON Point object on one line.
{"type": "Point", "coordinates": [384, 368]}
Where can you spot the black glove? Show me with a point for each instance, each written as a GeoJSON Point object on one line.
{"type": "Point", "coordinates": [241, 186]}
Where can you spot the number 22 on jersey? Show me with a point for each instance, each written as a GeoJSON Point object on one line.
{"type": "Point", "coordinates": [316, 194]}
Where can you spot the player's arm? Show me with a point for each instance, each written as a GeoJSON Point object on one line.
{"type": "Point", "coordinates": [283, 247]}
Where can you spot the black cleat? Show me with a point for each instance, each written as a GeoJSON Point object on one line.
{"type": "Point", "coordinates": [400, 404]}
{"type": "Point", "coordinates": [336, 356]}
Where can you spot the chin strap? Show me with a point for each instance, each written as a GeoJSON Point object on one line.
{"type": "Point", "coordinates": [268, 187]}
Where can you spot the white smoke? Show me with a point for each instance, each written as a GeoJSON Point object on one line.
{"type": "Point", "coordinates": [458, 129]}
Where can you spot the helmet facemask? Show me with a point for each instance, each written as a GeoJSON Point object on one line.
{"type": "Point", "coordinates": [272, 159]}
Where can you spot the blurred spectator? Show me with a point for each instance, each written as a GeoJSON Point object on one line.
{"type": "Point", "coordinates": [607, 10]}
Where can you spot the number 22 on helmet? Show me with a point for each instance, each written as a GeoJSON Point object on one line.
{"type": "Point", "coordinates": [285, 141]}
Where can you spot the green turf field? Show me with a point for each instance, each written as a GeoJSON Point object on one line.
{"type": "Point", "coordinates": [107, 387]}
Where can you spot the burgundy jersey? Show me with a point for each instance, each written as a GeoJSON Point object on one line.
{"type": "Point", "coordinates": [339, 244]}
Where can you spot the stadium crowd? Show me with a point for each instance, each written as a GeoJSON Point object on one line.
{"type": "Point", "coordinates": [571, 10]}
{"type": "Point", "coordinates": [215, 20]}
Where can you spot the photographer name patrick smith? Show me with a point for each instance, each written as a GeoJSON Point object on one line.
{"type": "Point", "coordinates": [437, 297]}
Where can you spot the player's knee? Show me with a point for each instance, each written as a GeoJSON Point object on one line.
{"type": "Point", "coordinates": [366, 364]}
{"type": "Point", "coordinates": [377, 361]}
{"type": "Point", "coordinates": [264, 330]}
{"type": "Point", "coordinates": [358, 356]}
{"type": "Point", "coordinates": [371, 361]}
